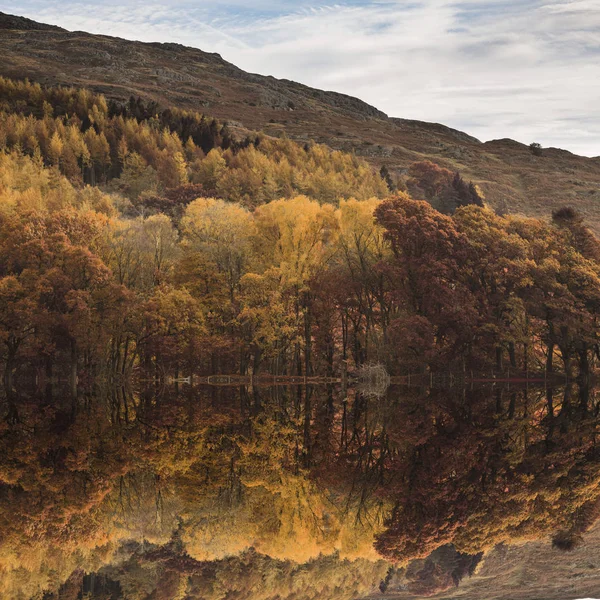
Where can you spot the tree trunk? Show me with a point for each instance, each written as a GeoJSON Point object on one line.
{"type": "Point", "coordinates": [9, 367]}
{"type": "Point", "coordinates": [584, 365]}
{"type": "Point", "coordinates": [307, 342]}
{"type": "Point", "coordinates": [549, 359]}
{"type": "Point", "coordinates": [512, 355]}
{"type": "Point", "coordinates": [73, 368]}
{"type": "Point", "coordinates": [8, 373]}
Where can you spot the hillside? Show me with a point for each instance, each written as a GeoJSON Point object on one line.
{"type": "Point", "coordinates": [171, 74]}
{"type": "Point", "coordinates": [24, 24]}
{"type": "Point", "coordinates": [519, 572]}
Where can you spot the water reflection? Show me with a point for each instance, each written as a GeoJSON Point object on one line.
{"type": "Point", "coordinates": [181, 491]}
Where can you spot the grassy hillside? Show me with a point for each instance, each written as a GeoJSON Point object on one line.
{"type": "Point", "coordinates": [511, 177]}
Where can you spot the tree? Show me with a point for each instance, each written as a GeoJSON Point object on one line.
{"type": "Point", "coordinates": [18, 320]}
{"type": "Point", "coordinates": [425, 273]}
{"type": "Point", "coordinates": [536, 149]}
{"type": "Point", "coordinates": [216, 245]}
{"type": "Point", "coordinates": [446, 190]}
{"type": "Point", "coordinates": [384, 172]}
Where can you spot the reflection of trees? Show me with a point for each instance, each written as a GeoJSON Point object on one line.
{"type": "Point", "coordinates": [225, 471]}
{"type": "Point", "coordinates": [482, 470]}
{"type": "Point", "coordinates": [292, 473]}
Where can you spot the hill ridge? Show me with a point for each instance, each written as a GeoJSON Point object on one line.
{"type": "Point", "coordinates": [17, 23]}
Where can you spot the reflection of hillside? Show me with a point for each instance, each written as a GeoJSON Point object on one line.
{"type": "Point", "coordinates": [535, 570]}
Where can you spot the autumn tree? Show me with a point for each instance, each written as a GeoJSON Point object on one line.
{"type": "Point", "coordinates": [446, 190]}
{"type": "Point", "coordinates": [426, 276]}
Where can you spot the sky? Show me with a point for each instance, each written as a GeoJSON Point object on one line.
{"type": "Point", "coordinates": [524, 69]}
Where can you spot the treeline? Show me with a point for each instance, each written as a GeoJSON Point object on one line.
{"type": "Point", "coordinates": [293, 286]}
{"type": "Point", "coordinates": [191, 262]}
{"type": "Point", "coordinates": [482, 289]}
{"type": "Point", "coordinates": [80, 282]}
{"type": "Point", "coordinates": [141, 151]}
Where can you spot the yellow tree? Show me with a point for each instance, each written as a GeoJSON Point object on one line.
{"type": "Point", "coordinates": [362, 295]}
{"type": "Point", "coordinates": [215, 256]}
{"type": "Point", "coordinates": [141, 252]}
{"type": "Point", "coordinates": [295, 240]}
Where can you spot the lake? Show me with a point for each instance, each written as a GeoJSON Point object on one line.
{"type": "Point", "coordinates": [166, 489]}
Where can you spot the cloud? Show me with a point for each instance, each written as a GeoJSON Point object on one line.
{"type": "Point", "coordinates": [525, 69]}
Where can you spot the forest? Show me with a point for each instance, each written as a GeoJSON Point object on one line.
{"type": "Point", "coordinates": [125, 245]}
{"type": "Point", "coordinates": [141, 244]}
{"type": "Point", "coordinates": [122, 245]}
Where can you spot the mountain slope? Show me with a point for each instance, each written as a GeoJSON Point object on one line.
{"type": "Point", "coordinates": [511, 177]}
{"type": "Point", "coordinates": [24, 24]}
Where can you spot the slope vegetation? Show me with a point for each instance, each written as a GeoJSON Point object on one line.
{"type": "Point", "coordinates": [173, 75]}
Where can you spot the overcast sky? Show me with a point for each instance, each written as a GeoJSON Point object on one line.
{"type": "Point", "coordinates": [525, 69]}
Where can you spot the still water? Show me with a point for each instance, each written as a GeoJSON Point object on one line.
{"type": "Point", "coordinates": [178, 491]}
